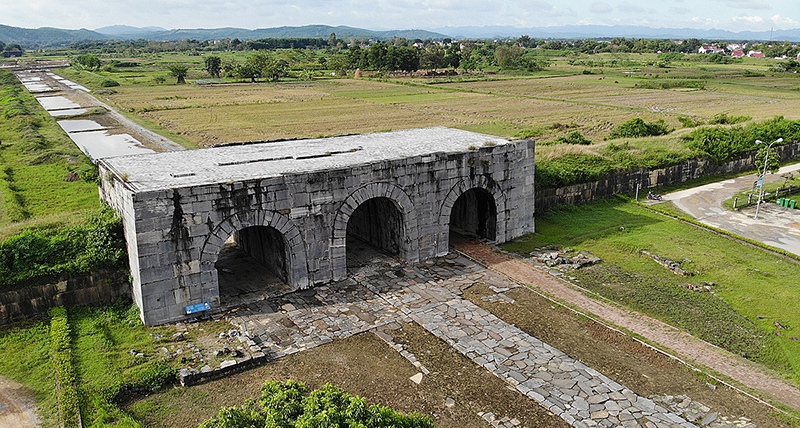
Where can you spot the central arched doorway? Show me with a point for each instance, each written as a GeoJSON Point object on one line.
{"type": "Point", "coordinates": [375, 231]}
{"type": "Point", "coordinates": [253, 264]}
{"type": "Point", "coordinates": [474, 214]}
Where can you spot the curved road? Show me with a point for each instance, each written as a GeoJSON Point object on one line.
{"type": "Point", "coordinates": [776, 226]}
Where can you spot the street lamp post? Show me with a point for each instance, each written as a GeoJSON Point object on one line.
{"type": "Point", "coordinates": [764, 173]}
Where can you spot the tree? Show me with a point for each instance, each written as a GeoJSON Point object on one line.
{"type": "Point", "coordinates": [179, 71]}
{"type": "Point", "coordinates": [773, 160]}
{"type": "Point", "coordinates": [213, 65]}
{"type": "Point", "coordinates": [89, 62]}
{"type": "Point", "coordinates": [2, 46]}
{"type": "Point", "coordinates": [507, 56]}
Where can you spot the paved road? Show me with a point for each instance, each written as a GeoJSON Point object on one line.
{"type": "Point", "coordinates": [775, 226]}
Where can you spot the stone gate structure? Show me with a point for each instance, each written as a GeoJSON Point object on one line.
{"type": "Point", "coordinates": [293, 205]}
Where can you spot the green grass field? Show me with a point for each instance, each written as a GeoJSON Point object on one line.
{"type": "Point", "coordinates": [41, 169]}
{"type": "Point", "coordinates": [753, 288]}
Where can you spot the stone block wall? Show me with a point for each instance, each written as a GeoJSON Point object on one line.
{"type": "Point", "coordinates": [175, 235]}
{"type": "Point", "coordinates": [100, 287]}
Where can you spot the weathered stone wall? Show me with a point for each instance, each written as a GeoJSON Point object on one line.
{"type": "Point", "coordinates": [625, 183]}
{"type": "Point", "coordinates": [174, 236]}
{"type": "Point", "coordinates": [100, 287]}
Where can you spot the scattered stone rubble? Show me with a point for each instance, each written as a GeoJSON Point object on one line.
{"type": "Point", "coordinates": [699, 413]}
{"type": "Point", "coordinates": [672, 265]}
{"type": "Point", "coordinates": [564, 259]}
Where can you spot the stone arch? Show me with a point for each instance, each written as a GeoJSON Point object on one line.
{"type": "Point", "coordinates": [296, 263]}
{"type": "Point", "coordinates": [475, 182]}
{"type": "Point", "coordinates": [392, 192]}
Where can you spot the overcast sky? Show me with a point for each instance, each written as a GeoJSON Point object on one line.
{"type": "Point", "coordinates": [734, 15]}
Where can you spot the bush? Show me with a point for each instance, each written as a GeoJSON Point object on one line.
{"type": "Point", "coordinates": [724, 119]}
{"type": "Point", "coordinates": [108, 83]}
{"type": "Point", "coordinates": [290, 404]}
{"type": "Point", "coordinates": [36, 253]}
{"type": "Point", "coordinates": [572, 168]}
{"type": "Point", "coordinates": [725, 143]}
{"type": "Point", "coordinates": [573, 137]}
{"type": "Point", "coordinates": [690, 122]}
{"type": "Point", "coordinates": [637, 127]}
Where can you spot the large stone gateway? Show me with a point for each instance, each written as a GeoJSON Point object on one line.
{"type": "Point", "coordinates": [294, 205]}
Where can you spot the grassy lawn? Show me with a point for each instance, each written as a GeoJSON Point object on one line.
{"type": "Point", "coordinates": [751, 297]}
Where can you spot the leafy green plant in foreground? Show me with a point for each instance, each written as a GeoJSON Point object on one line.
{"type": "Point", "coordinates": [290, 404]}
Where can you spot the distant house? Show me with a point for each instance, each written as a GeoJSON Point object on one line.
{"type": "Point", "coordinates": [755, 54]}
{"type": "Point", "coordinates": [738, 54]}
{"type": "Point", "coordinates": [710, 50]}
{"type": "Point", "coordinates": [12, 54]}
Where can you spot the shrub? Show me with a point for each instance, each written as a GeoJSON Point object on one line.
{"type": "Point", "coordinates": [109, 83]}
{"type": "Point", "coordinates": [290, 404]}
{"type": "Point", "coordinates": [36, 253]}
{"type": "Point", "coordinates": [572, 168]}
{"type": "Point", "coordinates": [637, 127]}
{"type": "Point", "coordinates": [573, 137]}
{"type": "Point", "coordinates": [724, 143]}
{"type": "Point", "coordinates": [690, 122]}
{"type": "Point", "coordinates": [724, 119]}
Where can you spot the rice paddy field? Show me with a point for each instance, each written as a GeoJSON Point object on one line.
{"type": "Point", "coordinates": [545, 105]}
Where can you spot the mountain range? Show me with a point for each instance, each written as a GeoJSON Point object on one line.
{"type": "Point", "coordinates": [46, 36]}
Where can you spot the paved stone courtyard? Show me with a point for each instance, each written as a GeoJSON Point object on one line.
{"type": "Point", "coordinates": [379, 296]}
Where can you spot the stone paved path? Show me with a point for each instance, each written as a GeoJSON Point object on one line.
{"type": "Point", "coordinates": [678, 342]}
{"type": "Point", "coordinates": [430, 295]}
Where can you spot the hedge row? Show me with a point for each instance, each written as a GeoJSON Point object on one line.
{"type": "Point", "coordinates": [62, 365]}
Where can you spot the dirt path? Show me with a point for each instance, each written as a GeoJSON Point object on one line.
{"type": "Point", "coordinates": [681, 344]}
{"type": "Point", "coordinates": [16, 406]}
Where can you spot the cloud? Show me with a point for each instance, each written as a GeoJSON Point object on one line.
{"type": "Point", "coordinates": [629, 7]}
{"type": "Point", "coordinates": [748, 19]}
{"type": "Point", "coordinates": [600, 7]}
{"type": "Point", "coordinates": [784, 22]}
{"type": "Point", "coordinates": [680, 11]}
{"type": "Point", "coordinates": [748, 4]}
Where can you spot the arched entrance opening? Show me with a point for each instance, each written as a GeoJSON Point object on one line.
{"type": "Point", "coordinates": [253, 264]}
{"type": "Point", "coordinates": [474, 214]}
{"type": "Point", "coordinates": [375, 230]}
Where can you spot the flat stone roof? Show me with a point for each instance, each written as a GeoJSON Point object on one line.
{"type": "Point", "coordinates": [159, 171]}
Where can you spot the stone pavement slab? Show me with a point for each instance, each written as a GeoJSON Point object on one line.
{"type": "Point", "coordinates": [430, 294]}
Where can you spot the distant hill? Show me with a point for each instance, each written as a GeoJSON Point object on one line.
{"type": "Point", "coordinates": [307, 31]}
{"type": "Point", "coordinates": [45, 36]}
{"type": "Point", "coordinates": [603, 31]}
{"type": "Point", "coordinates": [127, 31]}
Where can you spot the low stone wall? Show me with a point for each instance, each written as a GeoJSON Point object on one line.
{"type": "Point", "coordinates": [101, 287]}
{"type": "Point", "coordinates": [625, 182]}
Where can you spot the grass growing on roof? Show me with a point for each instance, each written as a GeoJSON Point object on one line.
{"type": "Point", "coordinates": [753, 294]}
